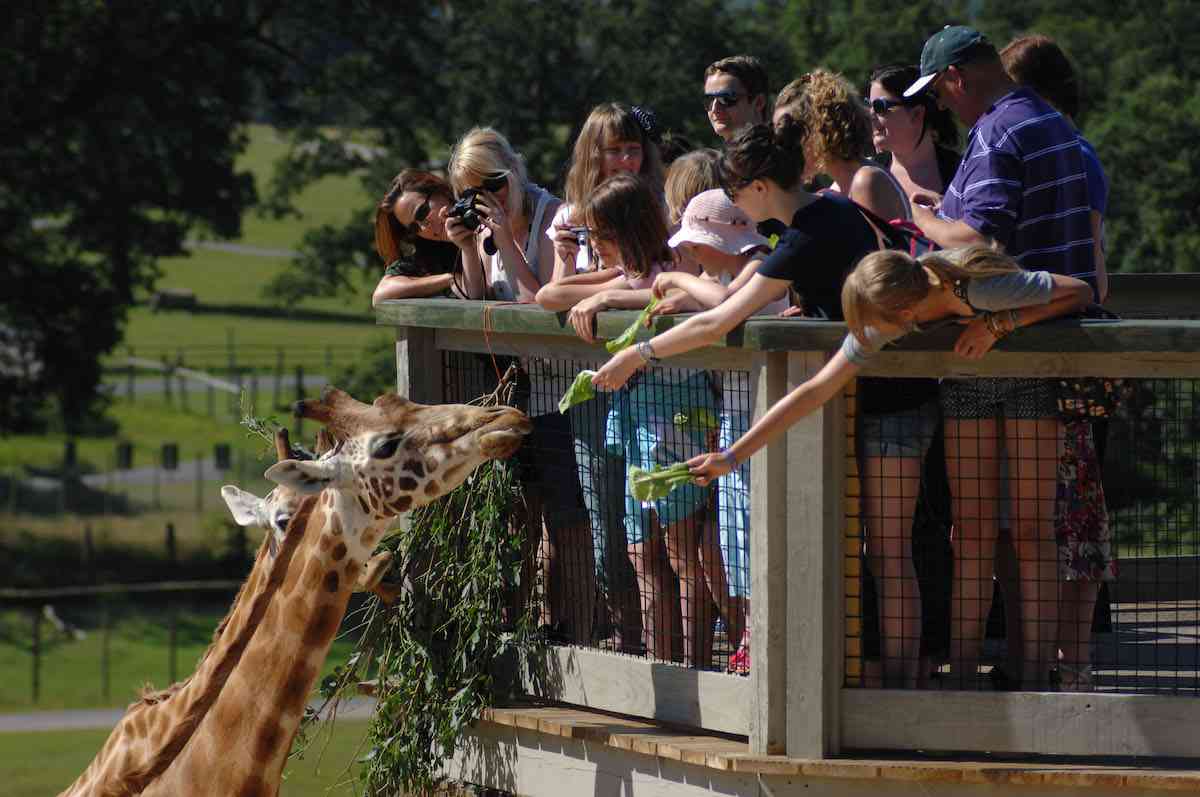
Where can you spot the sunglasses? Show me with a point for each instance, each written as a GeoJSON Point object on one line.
{"type": "Point", "coordinates": [725, 99]}
{"type": "Point", "coordinates": [880, 105]}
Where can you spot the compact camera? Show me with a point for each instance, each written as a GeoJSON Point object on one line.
{"type": "Point", "coordinates": [465, 207]}
{"type": "Point", "coordinates": [581, 236]}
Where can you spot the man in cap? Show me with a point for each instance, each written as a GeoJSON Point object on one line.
{"type": "Point", "coordinates": [1022, 182]}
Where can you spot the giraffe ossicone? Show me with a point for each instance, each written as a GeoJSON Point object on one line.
{"type": "Point", "coordinates": [228, 728]}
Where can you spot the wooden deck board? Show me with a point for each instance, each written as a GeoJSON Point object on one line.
{"type": "Point", "coordinates": [730, 754]}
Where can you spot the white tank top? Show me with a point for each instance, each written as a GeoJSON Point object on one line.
{"type": "Point", "coordinates": [503, 283]}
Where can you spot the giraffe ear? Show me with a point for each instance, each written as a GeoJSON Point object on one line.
{"type": "Point", "coordinates": [245, 507]}
{"type": "Point", "coordinates": [304, 477]}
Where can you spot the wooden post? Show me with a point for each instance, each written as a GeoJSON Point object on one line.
{"type": "Point", "coordinates": [418, 365]}
{"type": "Point", "coordinates": [768, 568]}
{"type": "Point", "coordinates": [816, 611]}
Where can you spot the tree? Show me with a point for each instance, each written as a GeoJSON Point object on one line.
{"type": "Point", "coordinates": [534, 70]}
{"type": "Point", "coordinates": [119, 133]}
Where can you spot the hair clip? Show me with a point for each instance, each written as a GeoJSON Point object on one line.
{"type": "Point", "coordinates": [648, 122]}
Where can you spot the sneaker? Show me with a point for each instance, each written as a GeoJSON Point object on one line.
{"type": "Point", "coordinates": [739, 662]}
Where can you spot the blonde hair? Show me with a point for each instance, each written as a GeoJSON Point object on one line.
{"type": "Point", "coordinates": [612, 121]}
{"type": "Point", "coordinates": [839, 126]}
{"type": "Point", "coordinates": [483, 153]}
{"type": "Point", "coordinates": [886, 282]}
{"type": "Point", "coordinates": [691, 174]}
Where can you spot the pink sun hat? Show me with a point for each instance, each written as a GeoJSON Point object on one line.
{"type": "Point", "coordinates": [711, 219]}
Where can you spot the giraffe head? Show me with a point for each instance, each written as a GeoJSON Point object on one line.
{"type": "Point", "coordinates": [396, 455]}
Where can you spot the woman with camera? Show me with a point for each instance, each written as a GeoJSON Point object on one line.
{"type": "Point", "coordinates": [506, 216]}
{"type": "Point", "coordinates": [411, 237]}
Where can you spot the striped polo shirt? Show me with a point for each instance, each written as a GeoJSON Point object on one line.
{"type": "Point", "coordinates": [1023, 182]}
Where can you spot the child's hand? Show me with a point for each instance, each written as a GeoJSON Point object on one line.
{"type": "Point", "coordinates": [677, 302]}
{"type": "Point", "coordinates": [706, 467]}
{"type": "Point", "coordinates": [616, 372]}
{"type": "Point", "coordinates": [976, 340]}
{"type": "Point", "coordinates": [662, 283]}
{"type": "Point", "coordinates": [566, 245]}
{"type": "Point", "coordinates": [583, 316]}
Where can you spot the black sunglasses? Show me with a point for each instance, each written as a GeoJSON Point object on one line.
{"type": "Point", "coordinates": [880, 105]}
{"type": "Point", "coordinates": [726, 99]}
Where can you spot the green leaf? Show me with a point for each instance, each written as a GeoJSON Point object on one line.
{"type": "Point", "coordinates": [626, 338]}
{"type": "Point", "coordinates": [580, 391]}
{"type": "Point", "coordinates": [649, 485]}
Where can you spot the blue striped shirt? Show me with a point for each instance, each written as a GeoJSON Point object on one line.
{"type": "Point", "coordinates": [1023, 182]}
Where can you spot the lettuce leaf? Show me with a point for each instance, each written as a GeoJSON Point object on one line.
{"type": "Point", "coordinates": [626, 338]}
{"type": "Point", "coordinates": [580, 391]}
{"type": "Point", "coordinates": [649, 485]}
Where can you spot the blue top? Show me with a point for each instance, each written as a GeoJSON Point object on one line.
{"type": "Point", "coordinates": [1023, 182]}
{"type": "Point", "coordinates": [825, 241]}
{"type": "Point", "coordinates": [1097, 180]}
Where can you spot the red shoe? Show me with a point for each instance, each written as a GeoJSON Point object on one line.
{"type": "Point", "coordinates": [739, 662]}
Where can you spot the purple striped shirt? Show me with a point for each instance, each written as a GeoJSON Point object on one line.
{"type": "Point", "coordinates": [1023, 182]}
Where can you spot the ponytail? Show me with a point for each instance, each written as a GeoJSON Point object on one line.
{"type": "Point", "coordinates": [767, 153]}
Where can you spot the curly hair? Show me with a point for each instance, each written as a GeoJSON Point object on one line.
{"type": "Point", "coordinates": [837, 121]}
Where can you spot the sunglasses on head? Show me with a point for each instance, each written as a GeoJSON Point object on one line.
{"type": "Point", "coordinates": [880, 105]}
{"type": "Point", "coordinates": [725, 99]}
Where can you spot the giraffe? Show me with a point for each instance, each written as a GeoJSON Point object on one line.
{"type": "Point", "coordinates": [273, 511]}
{"type": "Point", "coordinates": [228, 728]}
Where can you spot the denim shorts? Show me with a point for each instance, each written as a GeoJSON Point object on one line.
{"type": "Point", "coordinates": [1014, 398]}
{"type": "Point", "coordinates": [907, 433]}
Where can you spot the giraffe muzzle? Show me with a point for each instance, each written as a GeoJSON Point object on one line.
{"type": "Point", "coordinates": [502, 436]}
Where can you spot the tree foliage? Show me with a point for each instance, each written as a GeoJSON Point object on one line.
{"type": "Point", "coordinates": [535, 69]}
{"type": "Point", "coordinates": [120, 128]}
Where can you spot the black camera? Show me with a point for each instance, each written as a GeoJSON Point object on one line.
{"type": "Point", "coordinates": [465, 207]}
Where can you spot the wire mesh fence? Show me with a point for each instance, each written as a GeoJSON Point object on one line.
{"type": "Point", "coordinates": [666, 578]}
{"type": "Point", "coordinates": [1034, 534]}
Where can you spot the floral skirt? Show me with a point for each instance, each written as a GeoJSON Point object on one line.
{"type": "Point", "coordinates": [1085, 550]}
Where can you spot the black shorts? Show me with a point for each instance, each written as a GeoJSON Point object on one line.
{"type": "Point", "coordinates": [548, 471]}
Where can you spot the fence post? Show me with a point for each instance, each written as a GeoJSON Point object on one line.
{"type": "Point", "coordinates": [768, 568]}
{"type": "Point", "coordinates": [299, 397]}
{"type": "Point", "coordinates": [817, 453]}
{"type": "Point", "coordinates": [418, 365]}
{"type": "Point", "coordinates": [37, 653]}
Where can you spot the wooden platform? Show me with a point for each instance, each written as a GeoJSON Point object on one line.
{"type": "Point", "coordinates": [562, 750]}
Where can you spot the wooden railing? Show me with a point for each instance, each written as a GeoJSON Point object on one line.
{"type": "Point", "coordinates": [795, 701]}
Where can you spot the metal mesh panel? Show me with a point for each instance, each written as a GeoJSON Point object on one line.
{"type": "Point", "coordinates": [1027, 553]}
{"type": "Point", "coordinates": [669, 578]}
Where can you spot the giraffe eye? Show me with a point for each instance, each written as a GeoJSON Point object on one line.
{"type": "Point", "coordinates": [281, 522]}
{"type": "Point", "coordinates": [386, 449]}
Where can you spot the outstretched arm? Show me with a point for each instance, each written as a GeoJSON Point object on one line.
{"type": "Point", "coordinates": [791, 408]}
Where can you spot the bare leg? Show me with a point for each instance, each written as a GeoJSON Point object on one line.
{"type": "Point", "coordinates": [1075, 628]}
{"type": "Point", "coordinates": [971, 463]}
{"type": "Point", "coordinates": [683, 550]}
{"type": "Point", "coordinates": [1009, 577]}
{"type": "Point", "coordinates": [731, 608]}
{"type": "Point", "coordinates": [1034, 447]}
{"type": "Point", "coordinates": [657, 619]}
{"type": "Point", "coordinates": [890, 487]}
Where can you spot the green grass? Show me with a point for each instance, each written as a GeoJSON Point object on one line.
{"type": "Point", "coordinates": [45, 762]}
{"type": "Point", "coordinates": [139, 653]}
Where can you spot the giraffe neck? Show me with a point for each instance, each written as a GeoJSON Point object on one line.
{"type": "Point", "coordinates": [153, 730]}
{"type": "Point", "coordinates": [242, 745]}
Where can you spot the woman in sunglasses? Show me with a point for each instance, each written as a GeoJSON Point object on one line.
{"type": "Point", "coordinates": [915, 138]}
{"type": "Point", "coordinates": [411, 237]}
{"type": "Point", "coordinates": [839, 142]}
